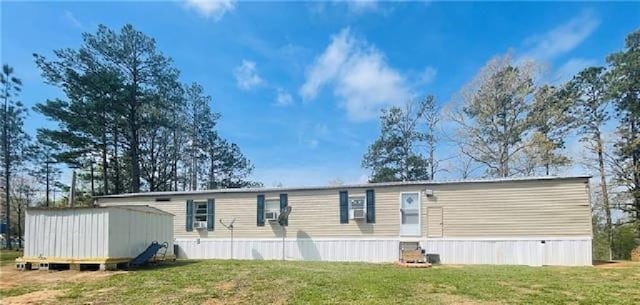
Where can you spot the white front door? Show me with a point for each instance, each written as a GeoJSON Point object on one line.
{"type": "Point", "coordinates": [410, 219]}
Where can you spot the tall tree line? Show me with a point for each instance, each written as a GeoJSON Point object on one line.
{"type": "Point", "coordinates": [125, 115]}
{"type": "Point", "coordinates": [14, 138]}
{"type": "Point", "coordinates": [399, 153]}
{"type": "Point", "coordinates": [127, 112]}
{"type": "Point", "coordinates": [510, 123]}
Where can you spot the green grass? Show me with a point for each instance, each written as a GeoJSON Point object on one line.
{"type": "Point", "coordinates": [262, 282]}
{"type": "Point", "coordinates": [9, 256]}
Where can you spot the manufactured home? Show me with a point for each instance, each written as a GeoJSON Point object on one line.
{"type": "Point", "coordinates": [521, 221]}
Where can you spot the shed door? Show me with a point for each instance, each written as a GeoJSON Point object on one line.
{"type": "Point", "coordinates": [434, 222]}
{"type": "Point", "coordinates": [410, 214]}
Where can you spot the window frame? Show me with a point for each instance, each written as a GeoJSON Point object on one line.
{"type": "Point", "coordinates": [355, 197]}
{"type": "Point", "coordinates": [351, 208]}
{"type": "Point", "coordinates": [196, 205]}
{"type": "Point", "coordinates": [274, 202]}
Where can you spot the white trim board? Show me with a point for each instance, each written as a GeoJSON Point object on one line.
{"type": "Point", "coordinates": [388, 238]}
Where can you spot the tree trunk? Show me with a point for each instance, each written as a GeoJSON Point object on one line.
{"type": "Point", "coordinates": [116, 167]}
{"type": "Point", "coordinates": [47, 181]}
{"type": "Point", "coordinates": [212, 177]}
{"type": "Point", "coordinates": [152, 158]}
{"type": "Point", "coordinates": [19, 214]}
{"type": "Point", "coordinates": [7, 165]}
{"type": "Point", "coordinates": [605, 193]}
{"type": "Point", "coordinates": [175, 158]}
{"type": "Point", "coordinates": [133, 125]}
{"type": "Point", "coordinates": [105, 158]}
{"type": "Point", "coordinates": [133, 151]}
{"type": "Point", "coordinates": [432, 161]}
{"type": "Point", "coordinates": [635, 167]}
{"type": "Point", "coordinates": [546, 167]}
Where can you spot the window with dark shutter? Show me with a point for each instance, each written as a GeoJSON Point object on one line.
{"type": "Point", "coordinates": [211, 212]}
{"type": "Point", "coordinates": [344, 207]}
{"type": "Point", "coordinates": [260, 211]}
{"type": "Point", "coordinates": [371, 206]}
{"type": "Point", "coordinates": [189, 220]}
{"type": "Point", "coordinates": [284, 202]}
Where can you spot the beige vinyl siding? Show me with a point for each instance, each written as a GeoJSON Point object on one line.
{"type": "Point", "coordinates": [314, 214]}
{"type": "Point", "coordinates": [434, 222]}
{"type": "Point", "coordinates": [522, 208]}
{"type": "Point", "coordinates": [500, 209]}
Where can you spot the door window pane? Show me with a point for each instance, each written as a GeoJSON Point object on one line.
{"type": "Point", "coordinates": [410, 218]}
{"type": "Point", "coordinates": [410, 201]}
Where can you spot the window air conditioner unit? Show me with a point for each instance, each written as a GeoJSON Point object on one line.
{"type": "Point", "coordinates": [200, 225]}
{"type": "Point", "coordinates": [271, 215]}
{"type": "Point", "coordinates": [357, 214]}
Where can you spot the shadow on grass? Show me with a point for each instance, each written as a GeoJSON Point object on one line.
{"type": "Point", "coordinates": [166, 265]}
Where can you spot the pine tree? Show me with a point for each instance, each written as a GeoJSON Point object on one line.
{"type": "Point", "coordinates": [550, 120]}
{"type": "Point", "coordinates": [14, 139]}
{"type": "Point", "coordinates": [590, 114]}
{"type": "Point", "coordinates": [624, 78]}
{"type": "Point", "coordinates": [394, 155]}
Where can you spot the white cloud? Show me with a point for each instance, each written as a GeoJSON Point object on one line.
{"type": "Point", "coordinates": [313, 143]}
{"type": "Point", "coordinates": [247, 76]}
{"type": "Point", "coordinates": [562, 38]}
{"type": "Point", "coordinates": [360, 6]}
{"type": "Point", "coordinates": [69, 17]}
{"type": "Point", "coordinates": [283, 98]}
{"type": "Point", "coordinates": [572, 67]}
{"type": "Point", "coordinates": [359, 75]}
{"type": "Point", "coordinates": [211, 8]}
{"type": "Point", "coordinates": [427, 76]}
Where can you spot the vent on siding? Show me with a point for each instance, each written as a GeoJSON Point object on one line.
{"type": "Point", "coordinates": [163, 199]}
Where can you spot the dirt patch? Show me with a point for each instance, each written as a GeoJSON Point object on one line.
{"type": "Point", "coordinates": [12, 277]}
{"type": "Point", "coordinates": [217, 302]}
{"type": "Point", "coordinates": [635, 254]}
{"type": "Point", "coordinates": [194, 290]}
{"type": "Point", "coordinates": [226, 286]}
{"type": "Point", "coordinates": [615, 264]}
{"type": "Point", "coordinates": [37, 297]}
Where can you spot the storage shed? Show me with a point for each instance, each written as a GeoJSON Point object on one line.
{"type": "Point", "coordinates": [94, 235]}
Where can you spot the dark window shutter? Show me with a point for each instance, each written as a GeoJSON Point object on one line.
{"type": "Point", "coordinates": [371, 206]}
{"type": "Point", "coordinates": [284, 202]}
{"type": "Point", "coordinates": [211, 213]}
{"type": "Point", "coordinates": [189, 220]}
{"type": "Point", "coordinates": [260, 218]}
{"type": "Point", "coordinates": [344, 207]}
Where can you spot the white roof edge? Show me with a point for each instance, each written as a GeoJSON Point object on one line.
{"type": "Point", "coordinates": [362, 185]}
{"type": "Point", "coordinates": [138, 208]}
{"type": "Point", "coordinates": [141, 208]}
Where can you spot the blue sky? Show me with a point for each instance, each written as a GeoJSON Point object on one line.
{"type": "Point", "coordinates": [300, 85]}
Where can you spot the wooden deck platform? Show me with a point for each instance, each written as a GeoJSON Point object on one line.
{"type": "Point", "coordinates": [89, 264]}
{"type": "Point", "coordinates": [415, 265]}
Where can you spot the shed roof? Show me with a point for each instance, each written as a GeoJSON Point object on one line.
{"type": "Point", "coordinates": [338, 187]}
{"type": "Point", "coordinates": [138, 208]}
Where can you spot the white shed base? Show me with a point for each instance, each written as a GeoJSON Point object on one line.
{"type": "Point", "coordinates": [534, 251]}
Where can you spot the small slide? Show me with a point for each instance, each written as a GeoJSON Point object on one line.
{"type": "Point", "coordinates": [151, 251]}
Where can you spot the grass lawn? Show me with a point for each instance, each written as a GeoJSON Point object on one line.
{"type": "Point", "coordinates": [9, 256]}
{"type": "Point", "coordinates": [261, 282]}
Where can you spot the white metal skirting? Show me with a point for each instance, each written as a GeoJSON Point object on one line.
{"type": "Point", "coordinates": [362, 250]}
{"type": "Point", "coordinates": [533, 252]}
{"type": "Point", "coordinates": [505, 251]}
